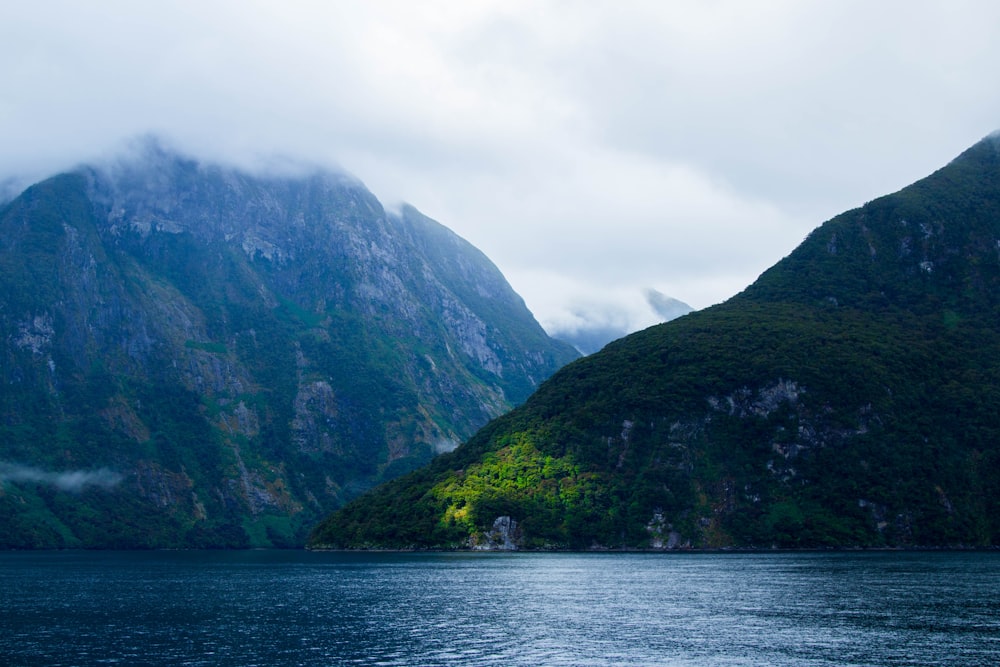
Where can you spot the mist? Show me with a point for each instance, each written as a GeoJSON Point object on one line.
{"type": "Point", "coordinates": [590, 324]}
{"type": "Point", "coordinates": [72, 481]}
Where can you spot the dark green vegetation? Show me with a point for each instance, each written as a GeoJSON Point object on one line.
{"type": "Point", "coordinates": [849, 397]}
{"type": "Point", "coordinates": [197, 357]}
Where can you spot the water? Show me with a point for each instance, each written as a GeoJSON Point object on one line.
{"type": "Point", "coordinates": [299, 608]}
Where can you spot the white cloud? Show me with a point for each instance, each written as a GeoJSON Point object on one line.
{"type": "Point", "coordinates": [590, 149]}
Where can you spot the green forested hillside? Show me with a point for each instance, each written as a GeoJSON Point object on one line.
{"type": "Point", "coordinates": [847, 398]}
{"type": "Point", "coordinates": [195, 356]}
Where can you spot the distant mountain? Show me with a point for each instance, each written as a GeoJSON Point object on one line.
{"type": "Point", "coordinates": [598, 326]}
{"type": "Point", "coordinates": [847, 398]}
{"type": "Point", "coordinates": [10, 188]}
{"type": "Point", "coordinates": [195, 356]}
{"type": "Point", "coordinates": [668, 308]}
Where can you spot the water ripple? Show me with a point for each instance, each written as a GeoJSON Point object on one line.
{"type": "Point", "coordinates": [296, 608]}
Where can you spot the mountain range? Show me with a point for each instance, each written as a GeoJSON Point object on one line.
{"type": "Point", "coordinates": [847, 398]}
{"type": "Point", "coordinates": [198, 356]}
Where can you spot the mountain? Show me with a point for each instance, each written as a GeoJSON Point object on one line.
{"type": "Point", "coordinates": [848, 398]}
{"type": "Point", "coordinates": [196, 356]}
{"type": "Point", "coordinates": [595, 326]}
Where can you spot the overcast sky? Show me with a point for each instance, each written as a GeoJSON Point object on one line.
{"type": "Point", "coordinates": [591, 149]}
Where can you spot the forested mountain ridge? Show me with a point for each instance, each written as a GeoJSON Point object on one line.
{"type": "Point", "coordinates": [845, 399]}
{"type": "Point", "coordinates": [219, 358]}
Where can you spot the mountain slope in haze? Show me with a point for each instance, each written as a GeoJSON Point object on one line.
{"type": "Point", "coordinates": [220, 359]}
{"type": "Point", "coordinates": [847, 398]}
{"type": "Point", "coordinates": [599, 325]}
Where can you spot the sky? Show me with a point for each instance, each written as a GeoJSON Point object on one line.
{"type": "Point", "coordinates": [592, 149]}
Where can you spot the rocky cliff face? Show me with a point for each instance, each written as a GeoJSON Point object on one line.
{"type": "Point", "coordinates": [246, 352]}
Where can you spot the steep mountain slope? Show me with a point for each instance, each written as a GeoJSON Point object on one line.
{"type": "Point", "coordinates": [220, 359]}
{"type": "Point", "coordinates": [847, 398]}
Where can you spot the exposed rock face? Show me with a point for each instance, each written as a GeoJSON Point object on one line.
{"type": "Point", "coordinates": [247, 352]}
{"type": "Point", "coordinates": [662, 535]}
{"type": "Point", "coordinates": [505, 535]}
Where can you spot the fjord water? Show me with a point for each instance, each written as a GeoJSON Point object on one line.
{"type": "Point", "coordinates": [301, 608]}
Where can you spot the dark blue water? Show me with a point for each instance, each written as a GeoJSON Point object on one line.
{"type": "Point", "coordinates": [298, 608]}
